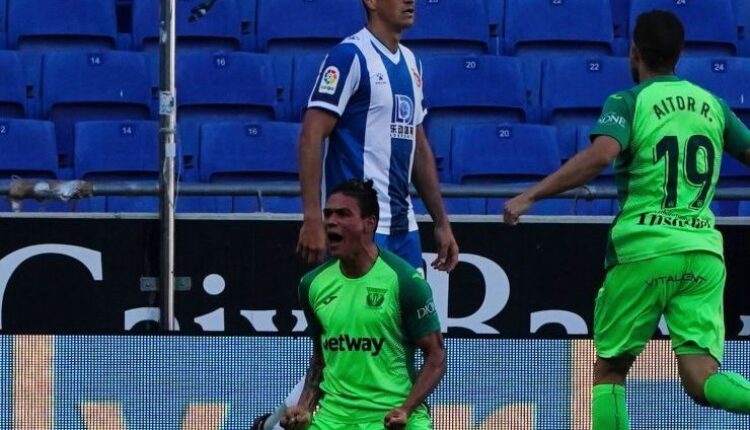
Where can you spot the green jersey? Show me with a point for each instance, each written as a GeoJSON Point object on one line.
{"type": "Point", "coordinates": [672, 134]}
{"type": "Point", "coordinates": [367, 329]}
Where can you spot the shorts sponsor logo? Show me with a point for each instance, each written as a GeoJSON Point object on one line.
{"type": "Point", "coordinates": [611, 118]}
{"type": "Point", "coordinates": [685, 278]}
{"type": "Point", "coordinates": [346, 343]}
{"type": "Point", "coordinates": [329, 81]}
{"type": "Point", "coordinates": [375, 297]}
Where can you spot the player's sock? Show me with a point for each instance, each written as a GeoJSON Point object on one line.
{"type": "Point", "coordinates": [728, 391]}
{"type": "Point", "coordinates": [608, 408]}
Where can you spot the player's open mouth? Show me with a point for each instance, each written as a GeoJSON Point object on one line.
{"type": "Point", "coordinates": [409, 11]}
{"type": "Point", "coordinates": [335, 238]}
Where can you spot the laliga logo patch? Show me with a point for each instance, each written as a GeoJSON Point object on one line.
{"type": "Point", "coordinates": [329, 81]}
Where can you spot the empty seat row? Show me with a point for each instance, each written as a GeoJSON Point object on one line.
{"type": "Point", "coordinates": [294, 26]}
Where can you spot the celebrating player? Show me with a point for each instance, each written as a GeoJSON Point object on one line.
{"type": "Point", "coordinates": [664, 255]}
{"type": "Point", "coordinates": [367, 310]}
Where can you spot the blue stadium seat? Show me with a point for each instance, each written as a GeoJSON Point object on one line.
{"type": "Point", "coordinates": [304, 75]}
{"type": "Point", "coordinates": [574, 90]}
{"type": "Point", "coordinates": [117, 150]}
{"type": "Point", "coordinates": [727, 77]}
{"type": "Point", "coordinates": [551, 26]}
{"type": "Point", "coordinates": [468, 32]}
{"type": "Point", "coordinates": [466, 89]}
{"type": "Point", "coordinates": [620, 17]}
{"type": "Point", "coordinates": [506, 154]}
{"type": "Point", "coordinates": [306, 26]}
{"type": "Point", "coordinates": [710, 26]}
{"type": "Point", "coordinates": [496, 16]}
{"type": "Point", "coordinates": [13, 88]}
{"type": "Point", "coordinates": [220, 29]}
{"type": "Point", "coordinates": [742, 12]}
{"type": "Point", "coordinates": [743, 208]}
{"type": "Point", "coordinates": [86, 86]}
{"type": "Point", "coordinates": [27, 150]}
{"type": "Point", "coordinates": [252, 151]}
{"type": "Point", "coordinates": [3, 24]}
{"type": "Point", "coordinates": [221, 87]}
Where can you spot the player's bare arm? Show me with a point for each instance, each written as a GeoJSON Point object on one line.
{"type": "Point", "coordinates": [299, 417]}
{"type": "Point", "coordinates": [429, 376]}
{"type": "Point", "coordinates": [316, 127]}
{"type": "Point", "coordinates": [580, 169]}
{"type": "Point", "coordinates": [426, 182]}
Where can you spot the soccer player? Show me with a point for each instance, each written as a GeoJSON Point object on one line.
{"type": "Point", "coordinates": [367, 106]}
{"type": "Point", "coordinates": [664, 255]}
{"type": "Point", "coordinates": [368, 310]}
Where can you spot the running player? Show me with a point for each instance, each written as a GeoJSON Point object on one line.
{"type": "Point", "coordinates": [368, 310]}
{"type": "Point", "coordinates": [664, 255]}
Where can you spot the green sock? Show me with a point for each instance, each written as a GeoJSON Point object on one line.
{"type": "Point", "coordinates": [728, 391]}
{"type": "Point", "coordinates": [608, 408]}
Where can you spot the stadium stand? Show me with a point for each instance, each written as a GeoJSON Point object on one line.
{"type": "Point", "coordinates": [220, 29]}
{"type": "Point", "coordinates": [506, 154]}
{"type": "Point", "coordinates": [13, 88]}
{"type": "Point", "coordinates": [464, 89]}
{"type": "Point", "coordinates": [221, 87]}
{"type": "Point", "coordinates": [254, 151]}
{"type": "Point", "coordinates": [28, 150]}
{"type": "Point", "coordinates": [117, 150]}
{"type": "Point", "coordinates": [468, 32]}
{"type": "Point", "coordinates": [3, 25]}
{"type": "Point", "coordinates": [310, 25]}
{"type": "Point", "coordinates": [727, 77]}
{"type": "Point", "coordinates": [496, 19]}
{"type": "Point", "coordinates": [710, 26]}
{"type": "Point", "coordinates": [742, 13]}
{"type": "Point", "coordinates": [85, 86]}
{"type": "Point", "coordinates": [574, 90]}
{"type": "Point", "coordinates": [304, 74]}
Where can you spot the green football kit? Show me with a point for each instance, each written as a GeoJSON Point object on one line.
{"type": "Point", "coordinates": [664, 254]}
{"type": "Point", "coordinates": [367, 328]}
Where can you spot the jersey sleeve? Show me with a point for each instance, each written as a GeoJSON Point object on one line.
{"type": "Point", "coordinates": [418, 308]}
{"type": "Point", "coordinates": [616, 119]}
{"type": "Point", "coordinates": [314, 328]}
{"type": "Point", "coordinates": [421, 110]}
{"type": "Point", "coordinates": [337, 81]}
{"type": "Point", "coordinates": [736, 134]}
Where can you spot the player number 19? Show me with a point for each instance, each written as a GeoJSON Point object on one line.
{"type": "Point", "coordinates": [669, 149]}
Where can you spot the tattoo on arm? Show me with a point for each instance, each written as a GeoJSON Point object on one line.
{"type": "Point", "coordinates": [311, 393]}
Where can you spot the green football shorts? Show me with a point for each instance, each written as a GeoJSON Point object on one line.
{"type": "Point", "coordinates": [687, 288]}
{"type": "Point", "coordinates": [417, 421]}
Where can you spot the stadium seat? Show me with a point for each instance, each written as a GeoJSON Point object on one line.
{"type": "Point", "coordinates": [13, 88]}
{"type": "Point", "coordinates": [49, 24]}
{"type": "Point", "coordinates": [469, 89]}
{"type": "Point", "coordinates": [27, 150]}
{"type": "Point", "coordinates": [574, 90]}
{"type": "Point", "coordinates": [221, 87]}
{"type": "Point", "coordinates": [252, 151]}
{"type": "Point", "coordinates": [506, 154]}
{"type": "Point", "coordinates": [85, 86]}
{"type": "Point", "coordinates": [3, 24]}
{"type": "Point", "coordinates": [220, 29]}
{"type": "Point", "coordinates": [468, 32]}
{"type": "Point", "coordinates": [742, 12]}
{"type": "Point", "coordinates": [727, 77]}
{"type": "Point", "coordinates": [743, 208]}
{"type": "Point", "coordinates": [710, 26]}
{"type": "Point", "coordinates": [496, 17]}
{"type": "Point", "coordinates": [304, 75]}
{"type": "Point", "coordinates": [558, 26]}
{"type": "Point", "coordinates": [306, 26]}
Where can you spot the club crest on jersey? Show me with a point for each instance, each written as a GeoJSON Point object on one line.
{"type": "Point", "coordinates": [403, 117]}
{"type": "Point", "coordinates": [329, 80]}
{"type": "Point", "coordinates": [375, 297]}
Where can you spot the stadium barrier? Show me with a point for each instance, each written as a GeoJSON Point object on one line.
{"type": "Point", "coordinates": [81, 347]}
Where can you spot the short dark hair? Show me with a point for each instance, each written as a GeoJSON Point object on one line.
{"type": "Point", "coordinates": [363, 191]}
{"type": "Point", "coordinates": [659, 37]}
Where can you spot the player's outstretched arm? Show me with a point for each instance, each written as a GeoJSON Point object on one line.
{"type": "Point", "coordinates": [317, 126]}
{"type": "Point", "coordinates": [585, 166]}
{"type": "Point", "coordinates": [427, 185]}
{"type": "Point", "coordinates": [299, 417]}
{"type": "Point", "coordinates": [429, 376]}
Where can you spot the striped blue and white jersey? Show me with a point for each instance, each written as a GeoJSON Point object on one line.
{"type": "Point", "coordinates": [377, 97]}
